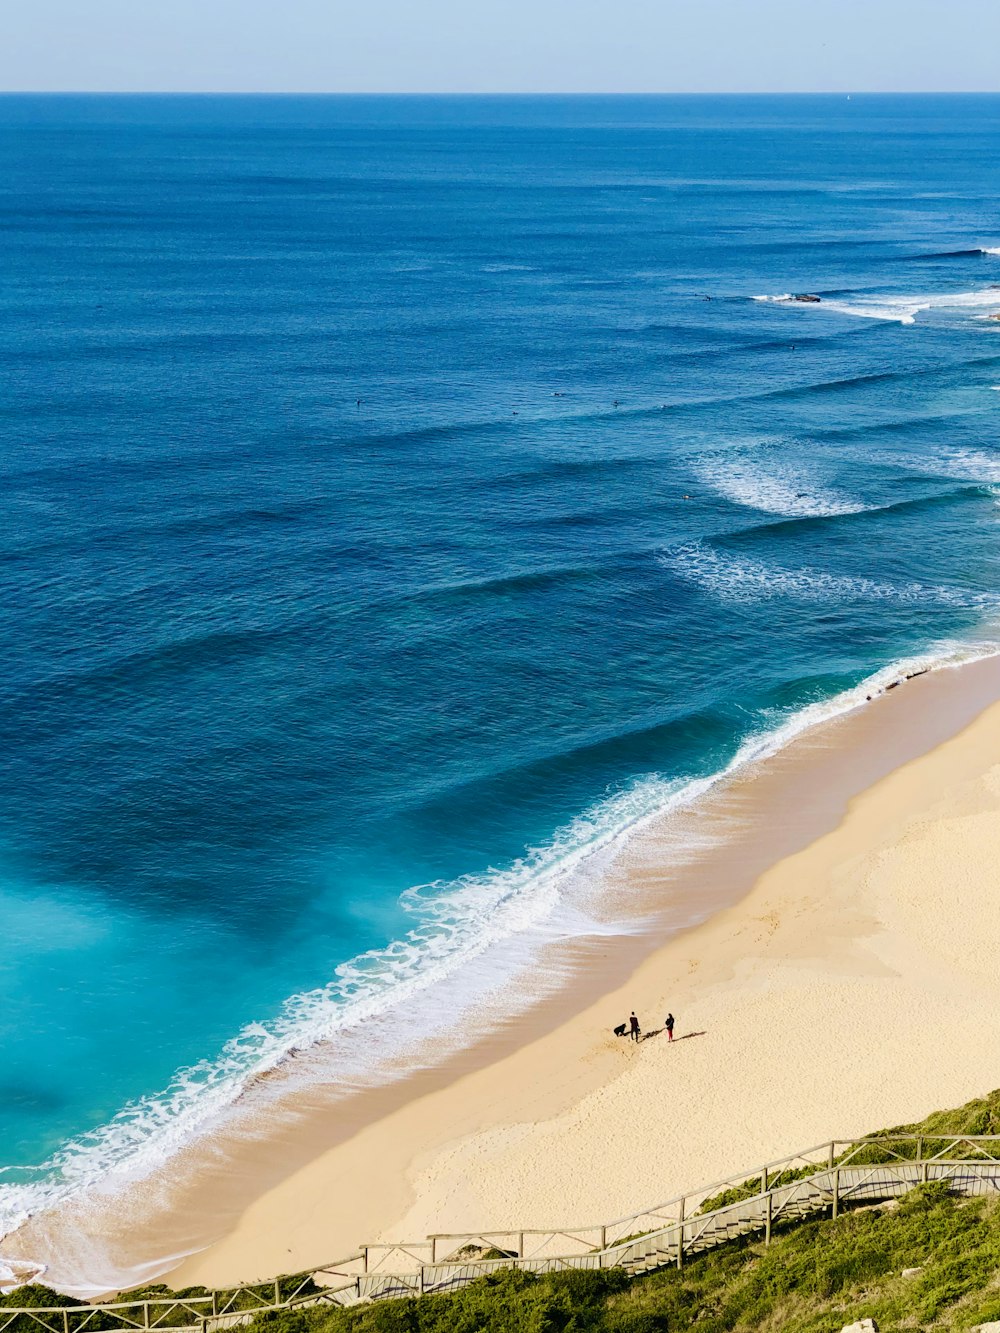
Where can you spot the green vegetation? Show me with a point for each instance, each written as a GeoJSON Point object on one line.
{"type": "Point", "coordinates": [815, 1276]}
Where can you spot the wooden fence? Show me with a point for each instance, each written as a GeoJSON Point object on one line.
{"type": "Point", "coordinates": [824, 1179]}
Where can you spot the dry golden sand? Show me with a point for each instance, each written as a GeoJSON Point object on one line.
{"type": "Point", "coordinates": [853, 987]}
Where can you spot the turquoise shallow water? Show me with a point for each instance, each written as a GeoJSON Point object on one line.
{"type": "Point", "coordinates": [402, 496]}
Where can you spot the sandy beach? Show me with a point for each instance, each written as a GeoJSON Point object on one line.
{"type": "Point", "coordinates": [852, 988]}
{"type": "Point", "coordinates": [844, 980]}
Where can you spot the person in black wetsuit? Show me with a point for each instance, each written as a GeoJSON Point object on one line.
{"type": "Point", "coordinates": [669, 1025]}
{"type": "Point", "coordinates": [633, 1023]}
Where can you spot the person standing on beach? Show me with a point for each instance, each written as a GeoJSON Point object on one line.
{"type": "Point", "coordinates": [669, 1025]}
{"type": "Point", "coordinates": [633, 1023]}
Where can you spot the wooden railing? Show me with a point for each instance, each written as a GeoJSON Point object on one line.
{"type": "Point", "coordinates": [826, 1178]}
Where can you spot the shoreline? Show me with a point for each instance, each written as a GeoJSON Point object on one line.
{"type": "Point", "coordinates": [256, 1200]}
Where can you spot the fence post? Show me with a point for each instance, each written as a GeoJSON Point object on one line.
{"type": "Point", "coordinates": [520, 1244]}
{"type": "Point", "coordinates": [365, 1254]}
{"type": "Point", "coordinates": [277, 1291]}
{"type": "Point", "coordinates": [767, 1218]}
{"type": "Point", "coordinates": [833, 1155]}
{"type": "Point", "coordinates": [604, 1238]}
{"type": "Point", "coordinates": [65, 1321]}
{"type": "Point", "coordinates": [680, 1237]}
{"type": "Point", "coordinates": [836, 1192]}
{"type": "Point", "coordinates": [421, 1279]}
{"type": "Point", "coordinates": [434, 1246]}
{"type": "Point", "coordinates": [145, 1314]}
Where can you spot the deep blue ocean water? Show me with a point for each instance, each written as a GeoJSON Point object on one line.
{"type": "Point", "coordinates": [408, 492]}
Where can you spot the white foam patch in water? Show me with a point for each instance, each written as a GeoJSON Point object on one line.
{"type": "Point", "coordinates": [738, 578]}
{"type": "Point", "coordinates": [15, 1273]}
{"type": "Point", "coordinates": [961, 463]}
{"type": "Point", "coordinates": [775, 488]}
{"type": "Point", "coordinates": [964, 464]}
{"type": "Point", "coordinates": [899, 309]}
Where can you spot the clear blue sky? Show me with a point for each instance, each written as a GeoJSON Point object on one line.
{"type": "Point", "coordinates": [500, 45]}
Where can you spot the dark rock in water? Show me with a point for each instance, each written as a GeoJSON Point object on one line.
{"type": "Point", "coordinates": [806, 296]}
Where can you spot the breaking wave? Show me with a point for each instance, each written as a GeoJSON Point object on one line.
{"type": "Point", "coordinates": [739, 578]}
{"type": "Point", "coordinates": [895, 308]}
{"type": "Point", "coordinates": [776, 489]}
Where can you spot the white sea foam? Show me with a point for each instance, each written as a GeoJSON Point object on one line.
{"type": "Point", "coordinates": [738, 578]}
{"type": "Point", "coordinates": [15, 1273]}
{"type": "Point", "coordinates": [990, 250]}
{"type": "Point", "coordinates": [774, 487]}
{"type": "Point", "coordinates": [425, 976]}
{"type": "Point", "coordinates": [899, 309]}
{"type": "Point", "coordinates": [964, 464]}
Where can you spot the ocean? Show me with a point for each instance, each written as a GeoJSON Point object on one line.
{"type": "Point", "coordinates": [403, 498]}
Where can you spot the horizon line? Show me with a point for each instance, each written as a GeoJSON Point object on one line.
{"type": "Point", "coordinates": [506, 93]}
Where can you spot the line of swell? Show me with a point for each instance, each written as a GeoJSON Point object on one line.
{"type": "Point", "coordinates": [879, 377]}
{"type": "Point", "coordinates": [146, 466]}
{"type": "Point", "coordinates": [197, 525]}
{"type": "Point", "coordinates": [732, 576]}
{"type": "Point", "coordinates": [173, 659]}
{"type": "Point", "coordinates": [913, 505]}
{"type": "Point", "coordinates": [163, 662]}
{"type": "Point", "coordinates": [977, 252]}
{"type": "Point", "coordinates": [903, 425]}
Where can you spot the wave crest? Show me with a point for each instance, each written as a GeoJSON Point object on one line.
{"type": "Point", "coordinates": [739, 578]}
{"type": "Point", "coordinates": [896, 308]}
{"type": "Point", "coordinates": [775, 489]}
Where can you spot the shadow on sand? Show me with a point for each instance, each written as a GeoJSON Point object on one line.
{"type": "Point", "coordinates": [685, 1036]}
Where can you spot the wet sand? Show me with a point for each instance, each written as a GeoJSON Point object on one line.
{"type": "Point", "coordinates": [841, 979]}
